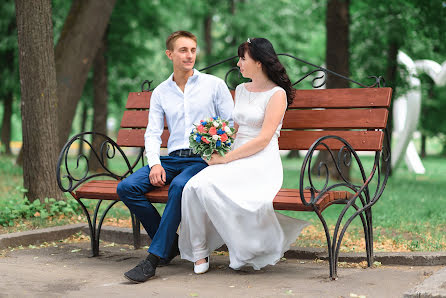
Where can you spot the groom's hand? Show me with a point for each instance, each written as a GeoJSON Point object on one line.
{"type": "Point", "coordinates": [157, 176]}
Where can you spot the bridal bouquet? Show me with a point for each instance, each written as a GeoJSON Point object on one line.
{"type": "Point", "coordinates": [211, 135]}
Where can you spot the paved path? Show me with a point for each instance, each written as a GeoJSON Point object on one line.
{"type": "Point", "coordinates": [68, 271]}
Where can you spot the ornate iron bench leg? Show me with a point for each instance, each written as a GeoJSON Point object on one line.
{"type": "Point", "coordinates": [95, 231]}
{"type": "Point", "coordinates": [330, 250]}
{"type": "Point", "coordinates": [336, 245]}
{"type": "Point", "coordinates": [369, 244]}
{"type": "Point", "coordinates": [136, 226]}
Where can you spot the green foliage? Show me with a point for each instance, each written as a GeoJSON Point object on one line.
{"type": "Point", "coordinates": [433, 106]}
{"type": "Point", "coordinates": [415, 27]}
{"type": "Point", "coordinates": [21, 208]}
{"type": "Point", "coordinates": [14, 206]}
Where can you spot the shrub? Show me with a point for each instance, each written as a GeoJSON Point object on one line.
{"type": "Point", "coordinates": [13, 209]}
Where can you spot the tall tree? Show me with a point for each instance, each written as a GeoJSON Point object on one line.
{"type": "Point", "coordinates": [208, 35]}
{"type": "Point", "coordinates": [100, 97]}
{"type": "Point", "coordinates": [8, 57]}
{"type": "Point", "coordinates": [39, 98]}
{"type": "Point", "coordinates": [337, 59]}
{"type": "Point", "coordinates": [8, 70]}
{"type": "Point", "coordinates": [74, 53]}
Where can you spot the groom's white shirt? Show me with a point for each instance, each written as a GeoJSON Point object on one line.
{"type": "Point", "coordinates": [204, 96]}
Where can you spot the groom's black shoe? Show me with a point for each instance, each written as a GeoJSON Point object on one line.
{"type": "Point", "coordinates": [174, 251]}
{"type": "Point", "coordinates": [144, 270]}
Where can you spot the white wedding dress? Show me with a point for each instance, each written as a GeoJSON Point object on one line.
{"type": "Point", "coordinates": [232, 203]}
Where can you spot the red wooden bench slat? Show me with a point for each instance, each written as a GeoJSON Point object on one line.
{"type": "Point", "coordinates": [297, 119]}
{"type": "Point", "coordinates": [137, 119]}
{"type": "Point", "coordinates": [286, 199]}
{"type": "Point", "coordinates": [138, 100]}
{"type": "Point", "coordinates": [289, 139]}
{"type": "Point", "coordinates": [335, 118]}
{"type": "Point", "coordinates": [313, 98]}
{"type": "Point", "coordinates": [343, 98]}
{"type": "Point", "coordinates": [359, 140]}
{"type": "Point", "coordinates": [135, 138]}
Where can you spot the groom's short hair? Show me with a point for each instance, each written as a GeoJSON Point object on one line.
{"type": "Point", "coordinates": [177, 34]}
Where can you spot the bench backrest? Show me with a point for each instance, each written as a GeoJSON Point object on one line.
{"type": "Point", "coordinates": [358, 115]}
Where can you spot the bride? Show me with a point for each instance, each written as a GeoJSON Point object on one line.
{"type": "Point", "coordinates": [231, 201]}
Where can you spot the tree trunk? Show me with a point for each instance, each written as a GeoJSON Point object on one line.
{"type": "Point", "coordinates": [8, 62]}
{"type": "Point", "coordinates": [19, 159]}
{"type": "Point", "coordinates": [6, 123]}
{"type": "Point", "coordinates": [337, 59]}
{"type": "Point", "coordinates": [293, 154]}
{"type": "Point", "coordinates": [392, 64]}
{"type": "Point", "coordinates": [208, 33]}
{"type": "Point", "coordinates": [423, 146]}
{"type": "Point", "coordinates": [443, 152]}
{"type": "Point", "coordinates": [208, 36]}
{"type": "Point", "coordinates": [39, 98]}
{"type": "Point", "coordinates": [337, 49]}
{"type": "Point", "coordinates": [100, 85]}
{"type": "Point", "coordinates": [78, 44]}
{"type": "Point", "coordinates": [83, 125]}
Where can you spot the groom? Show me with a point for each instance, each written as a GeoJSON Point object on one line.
{"type": "Point", "coordinates": [185, 98]}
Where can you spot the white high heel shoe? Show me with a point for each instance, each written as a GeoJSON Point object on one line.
{"type": "Point", "coordinates": [202, 268]}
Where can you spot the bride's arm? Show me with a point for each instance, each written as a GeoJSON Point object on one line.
{"type": "Point", "coordinates": [273, 115]}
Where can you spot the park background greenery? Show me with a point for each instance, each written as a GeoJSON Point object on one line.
{"type": "Point", "coordinates": [410, 212]}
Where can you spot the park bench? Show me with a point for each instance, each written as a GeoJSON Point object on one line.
{"type": "Point", "coordinates": [342, 121]}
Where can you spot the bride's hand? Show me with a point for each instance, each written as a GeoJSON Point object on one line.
{"type": "Point", "coordinates": [216, 159]}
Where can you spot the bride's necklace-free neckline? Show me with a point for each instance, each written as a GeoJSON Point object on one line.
{"type": "Point", "coordinates": [249, 96]}
{"type": "Point", "coordinates": [254, 96]}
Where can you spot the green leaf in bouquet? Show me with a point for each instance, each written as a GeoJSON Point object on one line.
{"type": "Point", "coordinates": [208, 152]}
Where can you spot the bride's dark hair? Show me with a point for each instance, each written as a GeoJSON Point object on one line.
{"type": "Point", "coordinates": [261, 49]}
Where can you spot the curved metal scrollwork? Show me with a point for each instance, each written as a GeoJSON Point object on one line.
{"type": "Point", "coordinates": [227, 76]}
{"type": "Point", "coordinates": [361, 199]}
{"type": "Point", "coordinates": [71, 172]}
{"type": "Point", "coordinates": [149, 83]}
{"type": "Point", "coordinates": [378, 81]}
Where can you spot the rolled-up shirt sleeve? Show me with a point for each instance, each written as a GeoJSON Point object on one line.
{"type": "Point", "coordinates": [224, 102]}
{"type": "Point", "coordinates": [155, 128]}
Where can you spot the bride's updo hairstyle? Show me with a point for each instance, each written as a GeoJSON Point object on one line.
{"type": "Point", "coordinates": [261, 50]}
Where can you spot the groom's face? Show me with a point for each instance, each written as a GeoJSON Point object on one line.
{"type": "Point", "coordinates": [183, 54]}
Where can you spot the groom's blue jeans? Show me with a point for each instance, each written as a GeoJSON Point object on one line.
{"type": "Point", "coordinates": [162, 230]}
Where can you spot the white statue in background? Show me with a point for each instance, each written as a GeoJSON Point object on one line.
{"type": "Point", "coordinates": [406, 110]}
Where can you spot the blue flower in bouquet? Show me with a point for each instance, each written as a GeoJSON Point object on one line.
{"type": "Point", "coordinates": [220, 132]}
{"type": "Point", "coordinates": [218, 143]}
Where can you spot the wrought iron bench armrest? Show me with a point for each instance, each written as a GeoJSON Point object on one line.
{"type": "Point", "coordinates": [345, 156]}
{"type": "Point", "coordinates": [108, 151]}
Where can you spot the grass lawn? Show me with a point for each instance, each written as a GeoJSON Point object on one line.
{"type": "Point", "coordinates": [409, 216]}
